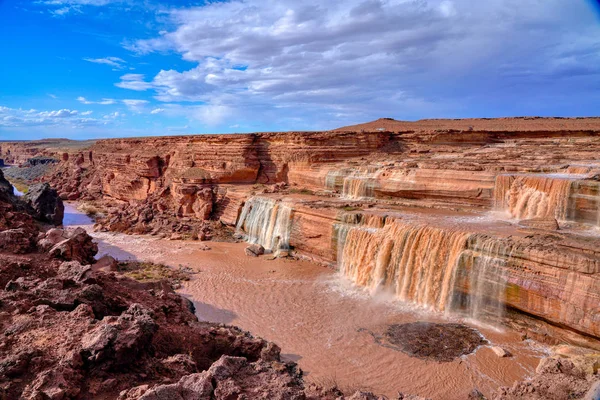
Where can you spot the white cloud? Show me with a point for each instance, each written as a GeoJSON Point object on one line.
{"type": "Point", "coordinates": [210, 115]}
{"type": "Point", "coordinates": [83, 100]}
{"type": "Point", "coordinates": [115, 62]}
{"type": "Point", "coordinates": [64, 113]}
{"type": "Point", "coordinates": [134, 82]}
{"type": "Point", "coordinates": [19, 118]}
{"type": "Point", "coordinates": [135, 105]}
{"type": "Point", "coordinates": [356, 59]}
{"type": "Point", "coordinates": [114, 115]}
{"type": "Point", "coordinates": [447, 8]}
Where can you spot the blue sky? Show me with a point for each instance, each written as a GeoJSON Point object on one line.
{"type": "Point", "coordinates": [110, 68]}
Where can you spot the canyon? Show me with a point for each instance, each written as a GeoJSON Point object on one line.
{"type": "Point", "coordinates": [489, 221]}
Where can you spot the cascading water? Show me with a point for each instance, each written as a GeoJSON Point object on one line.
{"type": "Point", "coordinates": [358, 187]}
{"type": "Point", "coordinates": [443, 269]}
{"type": "Point", "coordinates": [355, 184]}
{"type": "Point", "coordinates": [414, 262]}
{"type": "Point", "coordinates": [266, 222]}
{"type": "Point", "coordinates": [534, 196]}
{"type": "Point", "coordinates": [481, 281]}
{"type": "Point", "coordinates": [349, 221]}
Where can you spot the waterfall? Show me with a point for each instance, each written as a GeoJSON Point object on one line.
{"type": "Point", "coordinates": [481, 278]}
{"type": "Point", "coordinates": [358, 187]}
{"type": "Point", "coordinates": [349, 221]}
{"type": "Point", "coordinates": [416, 263]}
{"type": "Point", "coordinates": [17, 192]}
{"type": "Point", "coordinates": [266, 222]}
{"type": "Point", "coordinates": [531, 196]}
{"type": "Point", "coordinates": [355, 184]}
{"type": "Point", "coordinates": [335, 179]}
{"type": "Point", "coordinates": [443, 269]}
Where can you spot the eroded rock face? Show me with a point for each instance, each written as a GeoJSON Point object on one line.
{"type": "Point", "coordinates": [18, 231]}
{"type": "Point", "coordinates": [46, 204]}
{"type": "Point", "coordinates": [540, 172]}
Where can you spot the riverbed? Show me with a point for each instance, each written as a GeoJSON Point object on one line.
{"type": "Point", "coordinates": [319, 319]}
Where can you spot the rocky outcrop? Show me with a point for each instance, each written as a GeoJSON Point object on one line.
{"type": "Point", "coordinates": [70, 332]}
{"type": "Point", "coordinates": [18, 231]}
{"type": "Point", "coordinates": [514, 198]}
{"type": "Point", "coordinates": [69, 244]}
{"type": "Point", "coordinates": [6, 190]}
{"type": "Point", "coordinates": [255, 250]}
{"type": "Point", "coordinates": [45, 203]}
{"type": "Point", "coordinates": [570, 375]}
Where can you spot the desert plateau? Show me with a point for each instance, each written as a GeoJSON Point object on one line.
{"type": "Point", "coordinates": [300, 200]}
{"type": "Point", "coordinates": [441, 259]}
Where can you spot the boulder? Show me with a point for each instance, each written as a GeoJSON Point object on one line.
{"type": "Point", "coordinates": [69, 245]}
{"type": "Point", "coordinates": [106, 263]}
{"type": "Point", "coordinates": [117, 341]}
{"type": "Point", "coordinates": [16, 240]}
{"type": "Point", "coordinates": [45, 203]}
{"type": "Point", "coordinates": [255, 250]}
{"type": "Point", "coordinates": [476, 395]}
{"type": "Point", "coordinates": [51, 238]}
{"type": "Point", "coordinates": [500, 352]}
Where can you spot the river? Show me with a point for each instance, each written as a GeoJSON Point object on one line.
{"type": "Point", "coordinates": [319, 319]}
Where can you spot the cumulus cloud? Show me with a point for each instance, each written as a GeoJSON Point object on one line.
{"type": "Point", "coordinates": [157, 111]}
{"type": "Point", "coordinates": [83, 100]}
{"type": "Point", "coordinates": [17, 118]}
{"type": "Point", "coordinates": [64, 113]}
{"type": "Point", "coordinates": [115, 62]}
{"type": "Point", "coordinates": [354, 59]}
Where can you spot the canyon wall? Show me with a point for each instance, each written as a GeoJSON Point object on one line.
{"type": "Point", "coordinates": [465, 216]}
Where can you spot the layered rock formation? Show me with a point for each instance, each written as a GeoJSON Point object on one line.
{"type": "Point", "coordinates": [70, 331]}
{"type": "Point", "coordinates": [398, 206]}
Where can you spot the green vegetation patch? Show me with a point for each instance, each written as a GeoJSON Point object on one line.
{"type": "Point", "coordinates": [151, 272]}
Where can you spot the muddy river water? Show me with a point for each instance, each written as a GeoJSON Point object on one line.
{"type": "Point", "coordinates": [320, 320]}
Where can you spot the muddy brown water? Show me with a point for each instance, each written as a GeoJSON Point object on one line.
{"type": "Point", "coordinates": [321, 321]}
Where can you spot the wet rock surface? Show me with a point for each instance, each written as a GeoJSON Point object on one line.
{"type": "Point", "coordinates": [432, 341]}
{"type": "Point", "coordinates": [255, 250]}
{"type": "Point", "coordinates": [558, 378]}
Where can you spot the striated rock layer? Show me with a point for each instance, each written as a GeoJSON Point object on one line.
{"type": "Point", "coordinates": [71, 331]}
{"type": "Point", "coordinates": [467, 216]}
